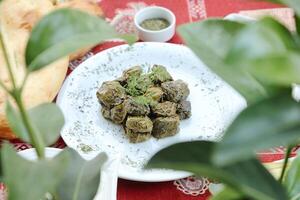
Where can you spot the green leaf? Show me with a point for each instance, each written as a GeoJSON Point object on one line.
{"type": "Point", "coordinates": [62, 32]}
{"type": "Point", "coordinates": [265, 37]}
{"type": "Point", "coordinates": [292, 180]}
{"type": "Point", "coordinates": [82, 177]}
{"type": "Point", "coordinates": [255, 180]}
{"type": "Point", "coordinates": [277, 70]}
{"type": "Point", "coordinates": [28, 180]}
{"type": "Point", "coordinates": [213, 53]}
{"type": "Point", "coordinates": [66, 176]}
{"type": "Point", "coordinates": [48, 120]}
{"type": "Point", "coordinates": [228, 194]}
{"type": "Point", "coordinates": [268, 51]}
{"type": "Point", "coordinates": [269, 123]}
{"type": "Point", "coordinates": [15, 122]}
{"type": "Point", "coordinates": [193, 159]}
{"type": "Point", "coordinates": [248, 177]}
{"type": "Point", "coordinates": [129, 38]}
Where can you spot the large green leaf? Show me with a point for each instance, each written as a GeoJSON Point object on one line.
{"type": "Point", "coordinates": [292, 180]}
{"type": "Point", "coordinates": [297, 20]}
{"type": "Point", "coordinates": [268, 51]}
{"type": "Point", "coordinates": [277, 70]}
{"type": "Point", "coordinates": [257, 40]}
{"type": "Point", "coordinates": [191, 156]}
{"type": "Point", "coordinates": [271, 122]}
{"type": "Point", "coordinates": [255, 181]}
{"type": "Point", "coordinates": [28, 180]}
{"type": "Point", "coordinates": [48, 120]}
{"type": "Point", "coordinates": [82, 177]}
{"type": "Point", "coordinates": [248, 177]}
{"type": "Point", "coordinates": [16, 123]}
{"type": "Point", "coordinates": [228, 194]}
{"type": "Point", "coordinates": [63, 32]}
{"type": "Point", "coordinates": [211, 40]}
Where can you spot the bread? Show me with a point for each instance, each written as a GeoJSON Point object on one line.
{"type": "Point", "coordinates": [17, 20]}
{"type": "Point", "coordinates": [84, 5]}
{"type": "Point", "coordinates": [41, 86]}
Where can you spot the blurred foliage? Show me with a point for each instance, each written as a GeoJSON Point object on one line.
{"type": "Point", "coordinates": [261, 60]}
{"type": "Point", "coordinates": [66, 176]}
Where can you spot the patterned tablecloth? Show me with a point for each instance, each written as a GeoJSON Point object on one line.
{"type": "Point", "coordinates": [120, 14]}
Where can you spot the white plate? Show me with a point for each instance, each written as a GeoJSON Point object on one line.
{"type": "Point", "coordinates": [214, 105]}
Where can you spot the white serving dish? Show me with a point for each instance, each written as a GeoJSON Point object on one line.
{"type": "Point", "coordinates": [214, 106]}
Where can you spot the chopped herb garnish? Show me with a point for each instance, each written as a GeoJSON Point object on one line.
{"type": "Point", "coordinates": [138, 85]}
{"type": "Point", "coordinates": [159, 74]}
{"type": "Point", "coordinates": [147, 101]}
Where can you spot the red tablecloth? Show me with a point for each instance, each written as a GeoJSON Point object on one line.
{"type": "Point", "coordinates": [120, 14]}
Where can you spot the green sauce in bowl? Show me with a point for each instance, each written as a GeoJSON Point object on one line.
{"type": "Point", "coordinates": [155, 24]}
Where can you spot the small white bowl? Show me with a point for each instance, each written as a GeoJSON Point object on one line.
{"type": "Point", "coordinates": [155, 12]}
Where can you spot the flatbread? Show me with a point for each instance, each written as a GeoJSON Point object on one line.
{"type": "Point", "coordinates": [88, 6]}
{"type": "Point", "coordinates": [18, 18]}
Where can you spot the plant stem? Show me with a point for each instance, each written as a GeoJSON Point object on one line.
{"type": "Point", "coordinates": [16, 93]}
{"type": "Point", "coordinates": [24, 81]}
{"type": "Point", "coordinates": [3, 86]}
{"type": "Point", "coordinates": [6, 57]}
{"type": "Point", "coordinates": [35, 138]}
{"type": "Point", "coordinates": [286, 159]}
